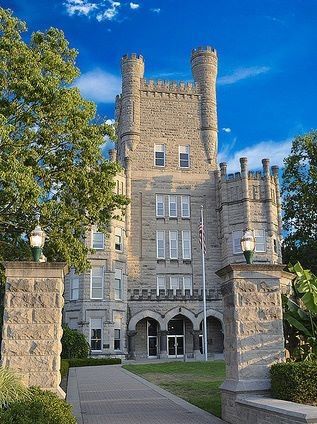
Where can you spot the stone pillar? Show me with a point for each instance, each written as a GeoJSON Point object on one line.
{"type": "Point", "coordinates": [197, 354]}
{"type": "Point", "coordinates": [163, 344]}
{"type": "Point", "coordinates": [253, 330]}
{"type": "Point", "coordinates": [32, 322]}
{"type": "Point", "coordinates": [131, 343]}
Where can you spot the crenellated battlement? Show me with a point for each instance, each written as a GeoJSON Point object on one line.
{"type": "Point", "coordinates": [202, 50]}
{"type": "Point", "coordinates": [266, 172]}
{"type": "Point", "coordinates": [169, 294]}
{"type": "Point", "coordinates": [132, 56]}
{"type": "Point", "coordinates": [169, 86]}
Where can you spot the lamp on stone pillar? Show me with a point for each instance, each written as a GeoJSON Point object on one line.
{"type": "Point", "coordinates": [37, 240]}
{"type": "Point", "coordinates": [248, 245]}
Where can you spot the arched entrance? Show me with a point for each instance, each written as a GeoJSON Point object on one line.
{"type": "Point", "coordinates": [214, 336]}
{"type": "Point", "coordinates": [146, 338]}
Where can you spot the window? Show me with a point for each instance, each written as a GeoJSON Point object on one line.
{"type": "Point", "coordinates": [160, 244]}
{"type": "Point", "coordinates": [187, 284]}
{"type": "Point", "coordinates": [95, 334]}
{"type": "Point", "coordinates": [260, 240]}
{"type": "Point", "coordinates": [173, 239]}
{"type": "Point", "coordinates": [160, 283]}
{"type": "Point", "coordinates": [274, 245]}
{"type": "Point", "coordinates": [160, 207]}
{"type": "Point", "coordinates": [97, 240]}
{"type": "Point", "coordinates": [118, 245]}
{"type": "Point", "coordinates": [186, 244]}
{"type": "Point", "coordinates": [236, 237]}
{"type": "Point", "coordinates": [185, 206]}
{"type": "Point", "coordinates": [174, 284]}
{"type": "Point", "coordinates": [159, 154]}
{"type": "Point", "coordinates": [74, 287]}
{"type": "Point", "coordinates": [184, 156]}
{"type": "Point", "coordinates": [117, 339]}
{"type": "Point", "coordinates": [172, 206]}
{"type": "Point", "coordinates": [96, 282]}
{"type": "Point", "coordinates": [118, 284]}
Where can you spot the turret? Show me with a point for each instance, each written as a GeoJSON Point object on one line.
{"type": "Point", "coordinates": [204, 68]}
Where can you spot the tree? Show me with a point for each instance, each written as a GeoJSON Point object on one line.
{"type": "Point", "coordinates": [299, 191]}
{"type": "Point", "coordinates": [50, 149]}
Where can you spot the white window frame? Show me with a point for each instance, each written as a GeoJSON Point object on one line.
{"type": "Point", "coordinates": [160, 250]}
{"type": "Point", "coordinates": [187, 203]}
{"type": "Point", "coordinates": [118, 274]}
{"type": "Point", "coordinates": [92, 240]}
{"type": "Point", "coordinates": [160, 283]}
{"type": "Point", "coordinates": [236, 244]}
{"type": "Point", "coordinates": [92, 325]}
{"type": "Point", "coordinates": [174, 283]}
{"type": "Point", "coordinates": [160, 201]}
{"type": "Point", "coordinates": [186, 250]}
{"type": "Point", "coordinates": [172, 200]}
{"type": "Point", "coordinates": [188, 278]}
{"type": "Point", "coordinates": [173, 244]}
{"type": "Point", "coordinates": [102, 281]}
{"type": "Point", "coordinates": [74, 279]}
{"type": "Point", "coordinates": [118, 232]}
{"type": "Point", "coordinates": [260, 234]}
{"type": "Point", "coordinates": [160, 148]}
{"type": "Point", "coordinates": [186, 151]}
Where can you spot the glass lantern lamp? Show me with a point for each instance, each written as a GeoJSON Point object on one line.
{"type": "Point", "coordinates": [248, 245]}
{"type": "Point", "coordinates": [37, 240]}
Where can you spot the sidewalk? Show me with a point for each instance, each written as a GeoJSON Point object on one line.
{"type": "Point", "coordinates": [111, 395]}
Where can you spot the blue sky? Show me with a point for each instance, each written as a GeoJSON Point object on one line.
{"type": "Point", "coordinates": [267, 50]}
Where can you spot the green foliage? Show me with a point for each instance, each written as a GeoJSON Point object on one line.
{"type": "Point", "coordinates": [74, 344]}
{"type": "Point", "coordinates": [299, 191]}
{"type": "Point", "coordinates": [295, 381]}
{"type": "Point", "coordinates": [64, 367]}
{"type": "Point", "coordinates": [300, 312]}
{"type": "Point", "coordinates": [88, 362]}
{"type": "Point", "coordinates": [11, 388]}
{"type": "Point", "coordinates": [42, 408]}
{"type": "Point", "coordinates": [50, 149]}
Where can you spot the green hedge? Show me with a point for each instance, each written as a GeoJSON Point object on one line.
{"type": "Point", "coordinates": [87, 362]}
{"type": "Point", "coordinates": [41, 408]}
{"type": "Point", "coordinates": [64, 367]}
{"type": "Point", "coordinates": [74, 344]}
{"type": "Point", "coordinates": [295, 381]}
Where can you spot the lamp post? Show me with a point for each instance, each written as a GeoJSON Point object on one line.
{"type": "Point", "coordinates": [248, 245]}
{"type": "Point", "coordinates": [37, 240]}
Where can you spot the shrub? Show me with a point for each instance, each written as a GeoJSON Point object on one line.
{"type": "Point", "coordinates": [74, 344]}
{"type": "Point", "coordinates": [42, 408]}
{"type": "Point", "coordinates": [64, 367]}
{"type": "Point", "coordinates": [11, 388]}
{"type": "Point", "coordinates": [295, 381]}
{"type": "Point", "coordinates": [93, 361]}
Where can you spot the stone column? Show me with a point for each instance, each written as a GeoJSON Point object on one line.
{"type": "Point", "coordinates": [163, 344]}
{"type": "Point", "coordinates": [131, 343]}
{"type": "Point", "coordinates": [253, 330]}
{"type": "Point", "coordinates": [197, 354]}
{"type": "Point", "coordinates": [32, 322]}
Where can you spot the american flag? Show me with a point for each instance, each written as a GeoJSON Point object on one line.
{"type": "Point", "coordinates": [201, 229]}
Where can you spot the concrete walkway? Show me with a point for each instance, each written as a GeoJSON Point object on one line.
{"type": "Point", "coordinates": [111, 395]}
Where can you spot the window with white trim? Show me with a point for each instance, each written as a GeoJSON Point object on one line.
{"type": "Point", "coordinates": [187, 284]}
{"type": "Point", "coordinates": [118, 244]}
{"type": "Point", "coordinates": [160, 244]}
{"type": "Point", "coordinates": [186, 244]}
{"type": "Point", "coordinates": [96, 282]}
{"type": "Point", "coordinates": [174, 284]}
{"type": "Point", "coordinates": [74, 287]}
{"type": "Point", "coordinates": [118, 284]}
{"type": "Point", "coordinates": [160, 206]}
{"type": "Point", "coordinates": [98, 240]}
{"type": "Point", "coordinates": [185, 206]}
{"type": "Point", "coordinates": [184, 156]}
{"type": "Point", "coordinates": [117, 339]}
{"type": "Point", "coordinates": [159, 155]}
{"type": "Point", "coordinates": [96, 334]}
{"type": "Point", "coordinates": [172, 206]}
{"type": "Point", "coordinates": [236, 241]}
{"type": "Point", "coordinates": [160, 283]}
{"type": "Point", "coordinates": [260, 240]}
{"type": "Point", "coordinates": [173, 242]}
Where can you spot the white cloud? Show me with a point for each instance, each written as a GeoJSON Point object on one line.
{"type": "Point", "coordinates": [155, 10]}
{"type": "Point", "coordinates": [134, 5]}
{"type": "Point", "coordinates": [243, 73]}
{"type": "Point", "coordinates": [99, 86]}
{"type": "Point", "coordinates": [79, 7]}
{"type": "Point", "coordinates": [274, 150]}
{"type": "Point", "coordinates": [226, 130]}
{"type": "Point", "coordinates": [110, 13]}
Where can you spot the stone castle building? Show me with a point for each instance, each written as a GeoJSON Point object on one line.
{"type": "Point", "coordinates": [143, 296]}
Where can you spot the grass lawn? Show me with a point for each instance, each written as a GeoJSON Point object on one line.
{"type": "Point", "coordinates": [196, 382]}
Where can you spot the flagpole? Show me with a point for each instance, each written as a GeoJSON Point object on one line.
{"type": "Point", "coordinates": [204, 281]}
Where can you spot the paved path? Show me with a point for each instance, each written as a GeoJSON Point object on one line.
{"type": "Point", "coordinates": [111, 395]}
